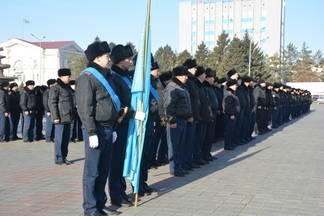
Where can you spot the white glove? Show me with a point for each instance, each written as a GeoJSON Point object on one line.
{"type": "Point", "coordinates": [140, 116]}
{"type": "Point", "coordinates": [93, 141]}
{"type": "Point", "coordinates": [114, 136]}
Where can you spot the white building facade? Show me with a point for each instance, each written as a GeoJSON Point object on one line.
{"type": "Point", "coordinates": [204, 20]}
{"type": "Point", "coordinates": [38, 61]}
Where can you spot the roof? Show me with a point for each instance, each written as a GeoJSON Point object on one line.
{"type": "Point", "coordinates": [49, 45]}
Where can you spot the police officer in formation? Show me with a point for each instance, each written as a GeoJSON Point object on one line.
{"type": "Point", "coordinates": [61, 108]}
{"type": "Point", "coordinates": [49, 128]}
{"type": "Point", "coordinates": [28, 106]}
{"type": "Point", "coordinates": [4, 112]}
{"type": "Point", "coordinates": [15, 110]}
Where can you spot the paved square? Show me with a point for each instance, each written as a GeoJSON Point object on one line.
{"type": "Point", "coordinates": [280, 174]}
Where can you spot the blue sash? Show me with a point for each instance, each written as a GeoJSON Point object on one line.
{"type": "Point", "coordinates": [106, 84]}
{"type": "Point", "coordinates": [126, 80]}
{"type": "Point", "coordinates": [154, 93]}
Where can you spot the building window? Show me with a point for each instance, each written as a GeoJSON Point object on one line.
{"type": "Point", "coordinates": [246, 30]}
{"type": "Point", "coordinates": [263, 19]}
{"type": "Point", "coordinates": [209, 22]}
{"type": "Point", "coordinates": [263, 29]}
{"type": "Point", "coordinates": [229, 31]}
{"type": "Point", "coordinates": [263, 41]}
{"type": "Point", "coordinates": [207, 33]}
{"type": "Point", "coordinates": [246, 19]}
{"type": "Point", "coordinates": [210, 43]}
{"type": "Point", "coordinates": [227, 21]}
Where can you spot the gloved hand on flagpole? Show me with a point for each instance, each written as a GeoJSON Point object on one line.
{"type": "Point", "coordinates": [140, 116]}
{"type": "Point", "coordinates": [93, 141]}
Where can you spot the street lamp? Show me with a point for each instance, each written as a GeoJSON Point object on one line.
{"type": "Point", "coordinates": [41, 53]}
{"type": "Point", "coordinates": [250, 52]}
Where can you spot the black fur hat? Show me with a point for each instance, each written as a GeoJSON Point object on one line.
{"type": "Point", "coordinates": [64, 72]}
{"type": "Point", "coordinates": [165, 76]}
{"type": "Point", "coordinates": [231, 73]}
{"type": "Point", "coordinates": [180, 71]}
{"type": "Point", "coordinates": [13, 85]}
{"type": "Point", "coordinates": [120, 53]}
{"type": "Point", "coordinates": [190, 63]}
{"type": "Point", "coordinates": [30, 82]}
{"type": "Point", "coordinates": [96, 49]}
{"type": "Point", "coordinates": [200, 70]}
{"type": "Point", "coordinates": [246, 79]}
{"type": "Point", "coordinates": [51, 82]}
{"type": "Point", "coordinates": [210, 72]}
{"type": "Point", "coordinates": [222, 80]}
{"type": "Point", "coordinates": [231, 82]}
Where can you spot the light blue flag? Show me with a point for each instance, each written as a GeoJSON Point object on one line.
{"type": "Point", "coordinates": [140, 102]}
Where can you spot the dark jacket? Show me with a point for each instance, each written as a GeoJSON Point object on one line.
{"type": "Point", "coordinates": [242, 96]}
{"type": "Point", "coordinates": [276, 98]}
{"type": "Point", "coordinates": [156, 107]}
{"type": "Point", "coordinates": [28, 100]}
{"type": "Point", "coordinates": [206, 113]}
{"type": "Point", "coordinates": [212, 99]}
{"type": "Point", "coordinates": [177, 101]}
{"type": "Point", "coordinates": [4, 101]}
{"type": "Point", "coordinates": [94, 104]}
{"type": "Point", "coordinates": [14, 100]}
{"type": "Point", "coordinates": [193, 90]}
{"type": "Point", "coordinates": [124, 91]}
{"type": "Point", "coordinates": [39, 101]}
{"type": "Point", "coordinates": [248, 106]}
{"type": "Point", "coordinates": [252, 98]}
{"type": "Point", "coordinates": [45, 100]}
{"type": "Point", "coordinates": [231, 103]}
{"type": "Point", "coordinates": [219, 94]}
{"type": "Point", "coordinates": [60, 102]}
{"type": "Point", "coordinates": [260, 96]}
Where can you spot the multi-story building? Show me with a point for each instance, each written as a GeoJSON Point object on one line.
{"type": "Point", "coordinates": [204, 20]}
{"type": "Point", "coordinates": [38, 61]}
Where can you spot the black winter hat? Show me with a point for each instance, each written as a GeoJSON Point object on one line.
{"type": "Point", "coordinates": [231, 73]}
{"type": "Point", "coordinates": [13, 85]}
{"type": "Point", "coordinates": [231, 82]}
{"type": "Point", "coordinates": [210, 72]}
{"type": "Point", "coordinates": [190, 63]}
{"type": "Point", "coordinates": [120, 53]}
{"type": "Point", "coordinates": [51, 82]}
{"type": "Point", "coordinates": [276, 85]}
{"type": "Point", "coordinates": [222, 80]}
{"type": "Point", "coordinates": [64, 72]}
{"type": "Point", "coordinates": [165, 76]}
{"type": "Point", "coordinates": [200, 70]}
{"type": "Point", "coordinates": [262, 81]}
{"type": "Point", "coordinates": [180, 71]}
{"type": "Point", "coordinates": [4, 84]}
{"type": "Point", "coordinates": [96, 49]}
{"type": "Point", "coordinates": [30, 82]}
{"type": "Point", "coordinates": [246, 79]}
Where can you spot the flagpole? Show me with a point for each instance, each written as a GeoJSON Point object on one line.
{"type": "Point", "coordinates": [140, 104]}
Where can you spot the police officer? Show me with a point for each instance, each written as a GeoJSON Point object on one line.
{"type": "Point", "coordinates": [162, 154]}
{"type": "Point", "coordinates": [206, 116]}
{"type": "Point", "coordinates": [193, 157]}
{"type": "Point", "coordinates": [28, 106]}
{"type": "Point", "coordinates": [276, 104]}
{"type": "Point", "coordinates": [260, 99]}
{"type": "Point", "coordinates": [214, 104]}
{"type": "Point", "coordinates": [76, 125]}
{"type": "Point", "coordinates": [15, 111]}
{"type": "Point", "coordinates": [4, 112]}
{"type": "Point", "coordinates": [98, 107]}
{"type": "Point", "coordinates": [121, 57]}
{"type": "Point", "coordinates": [231, 107]}
{"type": "Point", "coordinates": [245, 85]}
{"type": "Point", "coordinates": [61, 107]}
{"type": "Point", "coordinates": [39, 112]}
{"type": "Point", "coordinates": [178, 109]}
{"type": "Point", "coordinates": [49, 128]}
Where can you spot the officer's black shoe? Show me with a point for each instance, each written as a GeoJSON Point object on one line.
{"type": "Point", "coordinates": [126, 202]}
{"type": "Point", "coordinates": [149, 189]}
{"type": "Point", "coordinates": [195, 166]}
{"type": "Point", "coordinates": [229, 149]}
{"type": "Point", "coordinates": [178, 174]}
{"type": "Point", "coordinates": [111, 211]}
{"type": "Point", "coordinates": [67, 162]}
{"type": "Point", "coordinates": [59, 163]}
{"type": "Point", "coordinates": [96, 213]}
